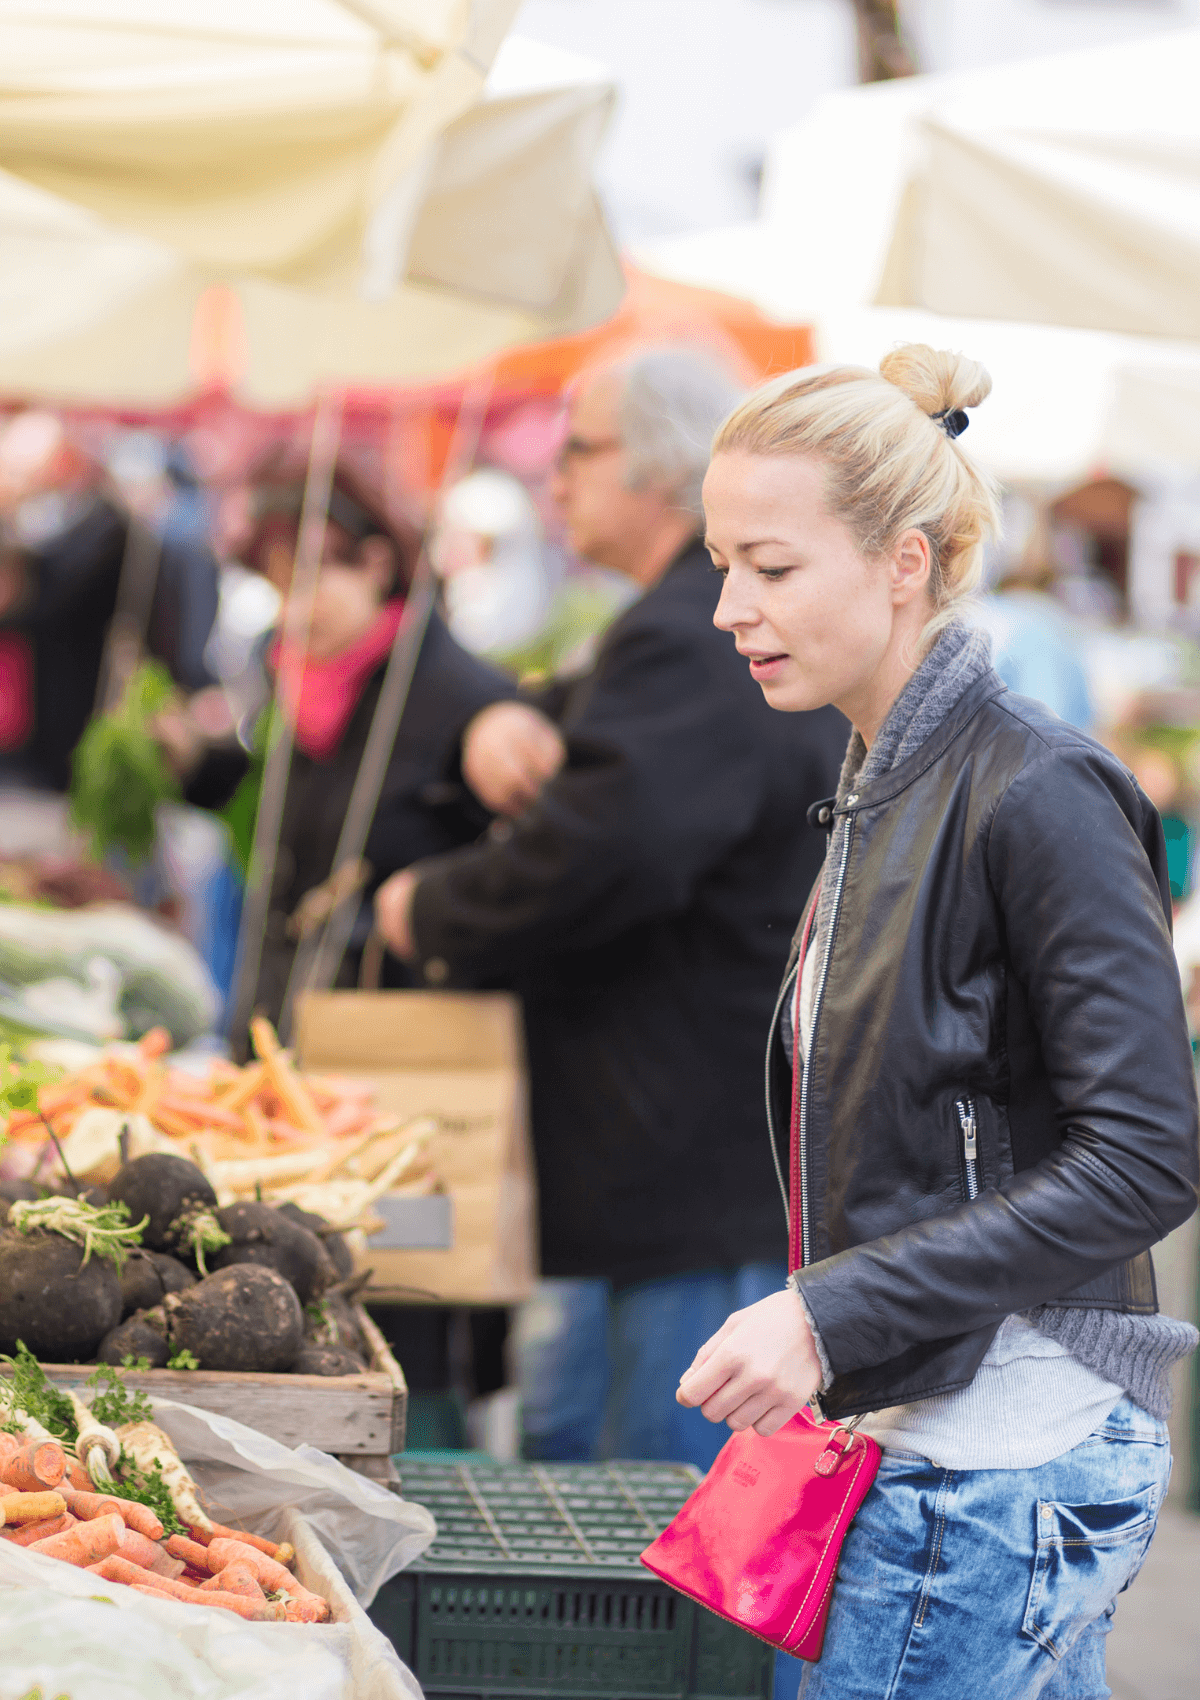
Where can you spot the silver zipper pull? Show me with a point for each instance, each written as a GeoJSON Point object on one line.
{"type": "Point", "coordinates": [966, 1118]}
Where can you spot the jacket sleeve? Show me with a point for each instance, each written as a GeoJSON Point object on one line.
{"type": "Point", "coordinates": [661, 778]}
{"type": "Point", "coordinates": [1069, 861]}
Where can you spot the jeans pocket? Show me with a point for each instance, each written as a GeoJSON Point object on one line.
{"type": "Point", "coordinates": [1085, 1555]}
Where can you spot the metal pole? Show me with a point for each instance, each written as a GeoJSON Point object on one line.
{"type": "Point", "coordinates": [297, 617]}
{"type": "Point", "coordinates": [319, 957]}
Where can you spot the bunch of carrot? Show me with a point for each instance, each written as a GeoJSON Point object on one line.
{"type": "Point", "coordinates": [268, 1105]}
{"type": "Point", "coordinates": [48, 1504]}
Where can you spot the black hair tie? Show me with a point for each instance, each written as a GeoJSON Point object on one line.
{"type": "Point", "coordinates": [952, 420]}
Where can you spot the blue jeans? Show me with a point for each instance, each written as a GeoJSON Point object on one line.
{"type": "Point", "coordinates": [598, 1369]}
{"type": "Point", "coordinates": [992, 1584]}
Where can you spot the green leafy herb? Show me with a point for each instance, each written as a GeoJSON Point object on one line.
{"type": "Point", "coordinates": [182, 1359]}
{"type": "Point", "coordinates": [20, 1081]}
{"type": "Point", "coordinates": [26, 1388]}
{"type": "Point", "coordinates": [148, 1488]}
{"type": "Point", "coordinates": [112, 1402]}
{"type": "Point", "coordinates": [101, 1228]}
{"type": "Point", "coordinates": [198, 1231]}
{"type": "Point", "coordinates": [119, 774]}
{"type": "Point", "coordinates": [139, 1364]}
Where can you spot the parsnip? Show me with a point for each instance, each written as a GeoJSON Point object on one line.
{"type": "Point", "coordinates": [97, 1448]}
{"type": "Point", "coordinates": [147, 1445]}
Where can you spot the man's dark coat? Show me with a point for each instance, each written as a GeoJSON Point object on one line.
{"type": "Point", "coordinates": [644, 907]}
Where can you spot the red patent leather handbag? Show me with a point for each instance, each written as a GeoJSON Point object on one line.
{"type": "Point", "coordinates": [758, 1541]}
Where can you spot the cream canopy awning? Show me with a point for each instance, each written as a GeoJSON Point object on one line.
{"type": "Point", "coordinates": [246, 135]}
{"type": "Point", "coordinates": [499, 240]}
{"type": "Point", "coordinates": [1058, 191]}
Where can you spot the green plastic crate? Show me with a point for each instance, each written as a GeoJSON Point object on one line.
{"type": "Point", "coordinates": [533, 1591]}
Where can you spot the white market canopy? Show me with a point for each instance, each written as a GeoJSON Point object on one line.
{"type": "Point", "coordinates": [1062, 191]}
{"type": "Point", "coordinates": [488, 236]}
{"type": "Point", "coordinates": [1042, 217]}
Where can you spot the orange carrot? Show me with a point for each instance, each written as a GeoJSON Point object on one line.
{"type": "Point", "coordinates": [114, 1568]}
{"type": "Point", "coordinates": [32, 1468]}
{"type": "Point", "coordinates": [133, 1515]}
{"type": "Point", "coordinates": [234, 1579]}
{"type": "Point", "coordinates": [192, 1553]}
{"type": "Point", "coordinates": [256, 1611]}
{"type": "Point", "coordinates": [311, 1609]}
{"type": "Point", "coordinates": [271, 1576]}
{"type": "Point", "coordinates": [78, 1478]}
{"type": "Point", "coordinates": [30, 1507]}
{"type": "Point", "coordinates": [85, 1543]}
{"type": "Point", "coordinates": [34, 1532]}
{"type": "Point", "coordinates": [281, 1554]}
{"type": "Point", "coordinates": [154, 1044]}
{"type": "Point", "coordinates": [138, 1550]}
{"type": "Point", "coordinates": [8, 1444]}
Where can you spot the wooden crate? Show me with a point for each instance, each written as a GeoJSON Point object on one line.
{"type": "Point", "coordinates": [358, 1418]}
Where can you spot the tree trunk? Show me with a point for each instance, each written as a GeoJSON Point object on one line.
{"type": "Point", "coordinates": [882, 51]}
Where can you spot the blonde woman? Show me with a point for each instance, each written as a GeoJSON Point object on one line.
{"type": "Point", "coordinates": [980, 1066]}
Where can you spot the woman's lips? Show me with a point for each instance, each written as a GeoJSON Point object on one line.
{"type": "Point", "coordinates": [765, 666]}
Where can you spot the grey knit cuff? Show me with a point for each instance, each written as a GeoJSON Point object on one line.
{"type": "Point", "coordinates": [822, 1354]}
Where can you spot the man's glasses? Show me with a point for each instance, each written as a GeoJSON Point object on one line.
{"type": "Point", "coordinates": [581, 448]}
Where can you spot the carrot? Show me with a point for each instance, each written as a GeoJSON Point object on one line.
{"type": "Point", "coordinates": [85, 1543]}
{"type": "Point", "coordinates": [291, 1090]}
{"type": "Point", "coordinates": [138, 1550]}
{"type": "Point", "coordinates": [193, 1553]}
{"type": "Point", "coordinates": [256, 1611]}
{"type": "Point", "coordinates": [234, 1579]}
{"type": "Point", "coordinates": [221, 1533]}
{"type": "Point", "coordinates": [114, 1568]}
{"type": "Point", "coordinates": [272, 1577]}
{"type": "Point", "coordinates": [311, 1609]}
{"type": "Point", "coordinates": [30, 1507]}
{"type": "Point", "coordinates": [78, 1478]}
{"type": "Point", "coordinates": [34, 1532]}
{"type": "Point", "coordinates": [8, 1444]}
{"type": "Point", "coordinates": [154, 1044]}
{"type": "Point", "coordinates": [34, 1467]}
{"type": "Point", "coordinates": [133, 1515]}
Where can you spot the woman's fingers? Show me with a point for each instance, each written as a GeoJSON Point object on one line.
{"type": "Point", "coordinates": [775, 1418]}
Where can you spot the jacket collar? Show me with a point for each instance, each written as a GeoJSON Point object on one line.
{"type": "Point", "coordinates": [897, 779]}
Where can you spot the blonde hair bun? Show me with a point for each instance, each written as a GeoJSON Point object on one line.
{"type": "Point", "coordinates": [935, 378]}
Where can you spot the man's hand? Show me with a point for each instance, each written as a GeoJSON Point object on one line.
{"type": "Point", "coordinates": [393, 913]}
{"type": "Point", "coordinates": [509, 751]}
{"type": "Point", "coordinates": [758, 1370]}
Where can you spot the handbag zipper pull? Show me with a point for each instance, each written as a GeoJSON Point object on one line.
{"type": "Point", "coordinates": [828, 1461]}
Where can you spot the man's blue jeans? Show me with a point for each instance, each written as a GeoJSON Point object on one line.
{"type": "Point", "coordinates": [598, 1369]}
{"type": "Point", "coordinates": [992, 1584]}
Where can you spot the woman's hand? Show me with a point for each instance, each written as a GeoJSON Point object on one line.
{"type": "Point", "coordinates": [758, 1370]}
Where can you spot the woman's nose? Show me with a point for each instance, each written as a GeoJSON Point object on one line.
{"type": "Point", "coordinates": [733, 610]}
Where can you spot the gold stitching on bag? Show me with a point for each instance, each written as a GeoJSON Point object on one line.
{"type": "Point", "coordinates": [825, 1548]}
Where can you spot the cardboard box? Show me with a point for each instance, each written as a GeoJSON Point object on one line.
{"type": "Point", "coordinates": [460, 1057]}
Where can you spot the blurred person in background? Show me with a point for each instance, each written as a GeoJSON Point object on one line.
{"type": "Point", "coordinates": [1035, 643]}
{"type": "Point", "coordinates": [640, 896]}
{"type": "Point", "coordinates": [67, 540]}
{"type": "Point", "coordinates": [366, 566]}
{"type": "Point", "coordinates": [487, 550]}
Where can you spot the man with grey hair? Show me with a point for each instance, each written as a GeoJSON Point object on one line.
{"type": "Point", "coordinates": [639, 889]}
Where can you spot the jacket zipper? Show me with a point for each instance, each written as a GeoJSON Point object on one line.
{"type": "Point", "coordinates": [819, 998]}
{"type": "Point", "coordinates": [969, 1128]}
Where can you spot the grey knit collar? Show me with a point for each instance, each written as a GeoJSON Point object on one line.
{"type": "Point", "coordinates": [961, 655]}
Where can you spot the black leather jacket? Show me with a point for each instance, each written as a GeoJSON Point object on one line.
{"type": "Point", "coordinates": [1000, 1110]}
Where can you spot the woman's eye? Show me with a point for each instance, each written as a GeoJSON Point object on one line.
{"type": "Point", "coordinates": [721, 571]}
{"type": "Point", "coordinates": [773, 572]}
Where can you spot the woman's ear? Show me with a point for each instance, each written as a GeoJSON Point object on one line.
{"type": "Point", "coordinates": [377, 558]}
{"type": "Point", "coordinates": [910, 566]}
